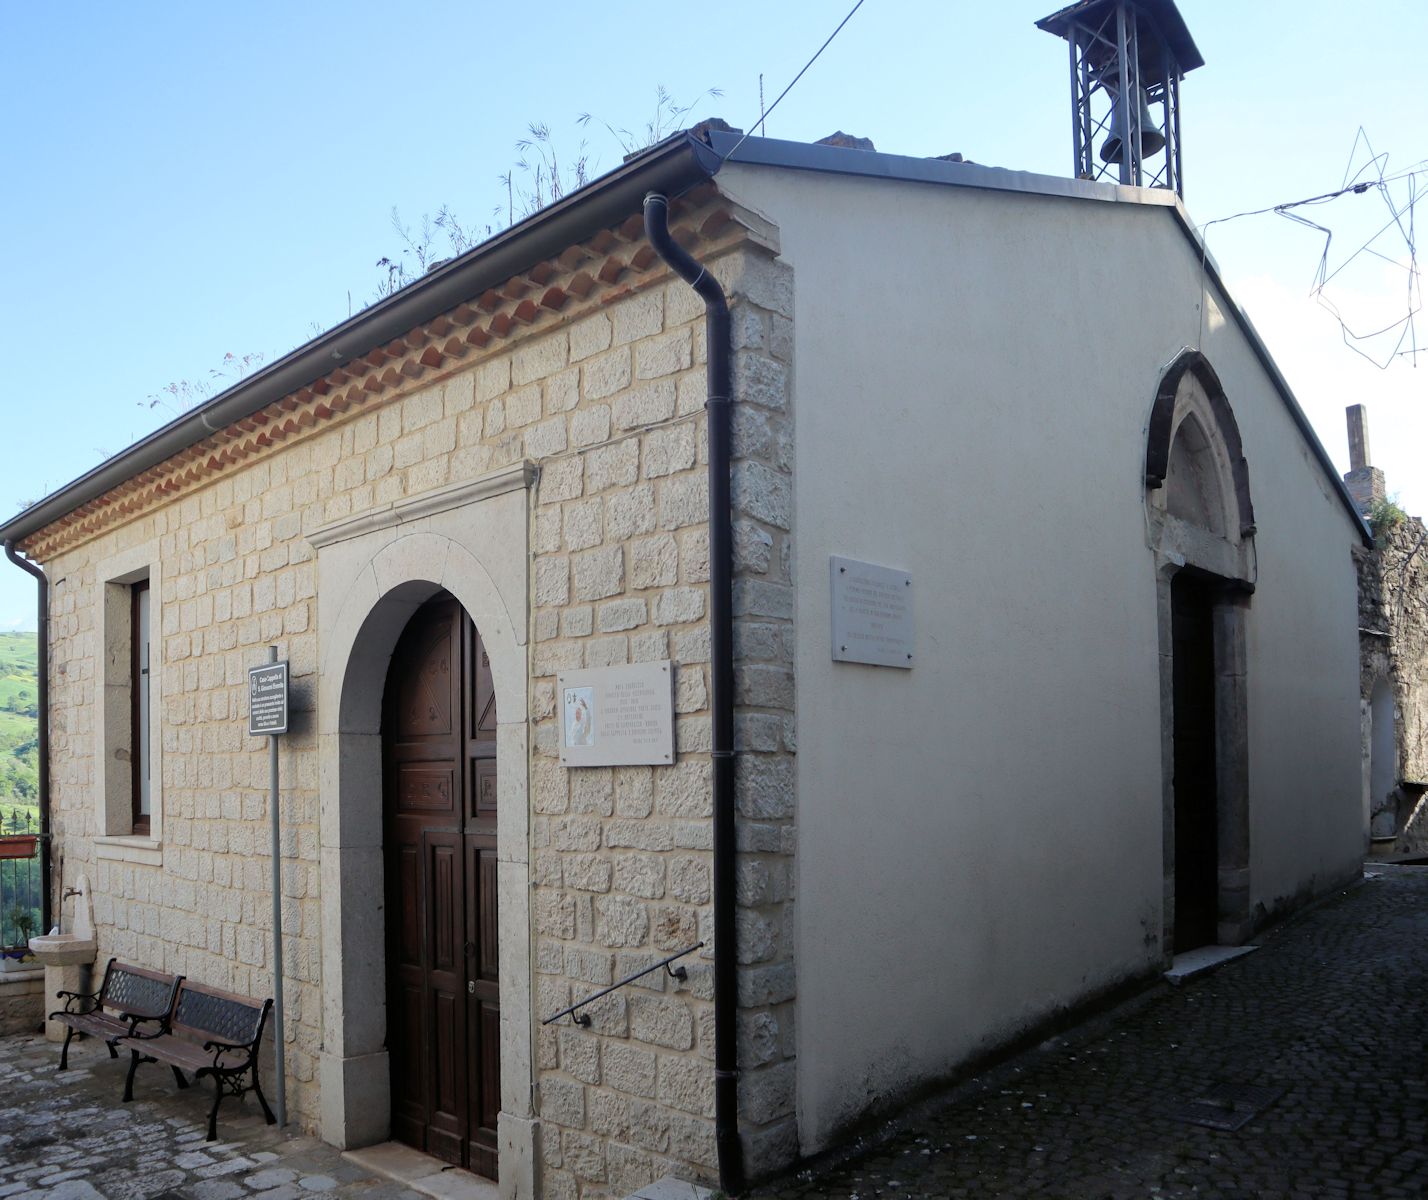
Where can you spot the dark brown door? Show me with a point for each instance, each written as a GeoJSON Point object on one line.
{"type": "Point", "coordinates": [1196, 827]}
{"type": "Point", "coordinates": [443, 1014]}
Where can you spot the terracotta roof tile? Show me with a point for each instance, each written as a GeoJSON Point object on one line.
{"type": "Point", "coordinates": [581, 276]}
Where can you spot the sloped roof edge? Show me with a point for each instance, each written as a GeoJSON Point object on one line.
{"type": "Point", "coordinates": [839, 160]}
{"type": "Point", "coordinates": [802, 156]}
{"type": "Point", "coordinates": [1271, 368]}
{"type": "Point", "coordinates": [672, 166]}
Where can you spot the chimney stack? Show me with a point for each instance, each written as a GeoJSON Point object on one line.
{"type": "Point", "coordinates": [1365, 482]}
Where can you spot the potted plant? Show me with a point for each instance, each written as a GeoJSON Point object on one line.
{"type": "Point", "coordinates": [18, 958]}
{"type": "Point", "coordinates": [18, 843]}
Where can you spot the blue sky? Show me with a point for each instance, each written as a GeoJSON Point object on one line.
{"type": "Point", "coordinates": [185, 182]}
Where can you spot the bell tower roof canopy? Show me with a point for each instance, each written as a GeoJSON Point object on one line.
{"type": "Point", "coordinates": [1163, 13]}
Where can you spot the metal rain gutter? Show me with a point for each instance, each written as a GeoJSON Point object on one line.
{"type": "Point", "coordinates": [673, 166]}
{"type": "Point", "coordinates": [721, 687]}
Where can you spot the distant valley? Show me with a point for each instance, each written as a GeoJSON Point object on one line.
{"type": "Point", "coordinates": [19, 731]}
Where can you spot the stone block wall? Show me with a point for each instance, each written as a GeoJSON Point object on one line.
{"type": "Point", "coordinates": [1366, 486]}
{"type": "Point", "coordinates": [607, 401]}
{"type": "Point", "coordinates": [22, 1002]}
{"type": "Point", "coordinates": [236, 577]}
{"type": "Point", "coordinates": [621, 862]}
{"type": "Point", "coordinates": [1393, 645]}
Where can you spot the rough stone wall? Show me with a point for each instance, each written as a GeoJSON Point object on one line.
{"type": "Point", "coordinates": [1393, 640]}
{"type": "Point", "coordinates": [609, 405]}
{"type": "Point", "coordinates": [621, 864]}
{"type": "Point", "coordinates": [22, 1002]}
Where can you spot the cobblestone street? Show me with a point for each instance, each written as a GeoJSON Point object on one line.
{"type": "Point", "coordinates": [1329, 1015]}
{"type": "Point", "coordinates": [67, 1136]}
{"type": "Point", "coordinates": [1326, 1021]}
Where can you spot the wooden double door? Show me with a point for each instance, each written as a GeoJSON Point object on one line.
{"type": "Point", "coordinates": [443, 1008]}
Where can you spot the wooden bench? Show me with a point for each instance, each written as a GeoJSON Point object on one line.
{"type": "Point", "coordinates": [128, 997]}
{"type": "Point", "coordinates": [210, 1033]}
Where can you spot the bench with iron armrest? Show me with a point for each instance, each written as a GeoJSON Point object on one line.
{"type": "Point", "coordinates": [129, 997]}
{"type": "Point", "coordinates": [210, 1033]}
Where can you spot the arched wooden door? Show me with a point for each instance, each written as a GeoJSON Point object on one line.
{"type": "Point", "coordinates": [439, 787]}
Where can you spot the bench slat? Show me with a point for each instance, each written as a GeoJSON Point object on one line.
{"type": "Point", "coordinates": [203, 1015]}
{"type": "Point", "coordinates": [128, 997]}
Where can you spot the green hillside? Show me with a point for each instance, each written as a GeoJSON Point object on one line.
{"type": "Point", "coordinates": [19, 725]}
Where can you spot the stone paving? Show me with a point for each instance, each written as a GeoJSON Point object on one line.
{"type": "Point", "coordinates": [1331, 1014]}
{"type": "Point", "coordinates": [68, 1136]}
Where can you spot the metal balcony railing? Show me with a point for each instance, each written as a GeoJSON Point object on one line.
{"type": "Point", "coordinates": [21, 881]}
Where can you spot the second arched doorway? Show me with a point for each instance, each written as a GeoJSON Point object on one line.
{"type": "Point", "coordinates": [1200, 529]}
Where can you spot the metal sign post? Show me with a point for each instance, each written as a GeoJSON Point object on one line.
{"type": "Point", "coordinates": [268, 714]}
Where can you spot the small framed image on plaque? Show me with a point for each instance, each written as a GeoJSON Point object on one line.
{"type": "Point", "coordinates": [617, 716]}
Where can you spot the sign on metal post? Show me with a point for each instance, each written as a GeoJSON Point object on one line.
{"type": "Point", "coordinates": [268, 717]}
{"type": "Point", "coordinates": [268, 699]}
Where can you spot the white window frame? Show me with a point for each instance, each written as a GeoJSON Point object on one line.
{"type": "Point", "coordinates": [113, 726]}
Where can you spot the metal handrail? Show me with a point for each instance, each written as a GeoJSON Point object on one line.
{"type": "Point", "coordinates": [674, 973]}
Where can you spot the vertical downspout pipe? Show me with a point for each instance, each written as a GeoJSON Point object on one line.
{"type": "Point", "coordinates": [42, 606]}
{"type": "Point", "coordinates": [721, 698]}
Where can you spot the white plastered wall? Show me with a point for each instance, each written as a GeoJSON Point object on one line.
{"type": "Point", "coordinates": [980, 839]}
{"type": "Point", "coordinates": [374, 571]}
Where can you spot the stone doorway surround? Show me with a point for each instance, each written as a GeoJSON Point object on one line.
{"type": "Point", "coordinates": [373, 571]}
{"type": "Point", "coordinates": [1199, 516]}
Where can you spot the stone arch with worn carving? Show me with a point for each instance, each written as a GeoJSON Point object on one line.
{"type": "Point", "coordinates": [1200, 530]}
{"type": "Point", "coordinates": [371, 580]}
{"type": "Point", "coordinates": [1193, 448]}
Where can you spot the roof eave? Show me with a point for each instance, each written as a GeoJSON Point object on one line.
{"type": "Point", "coordinates": [672, 166]}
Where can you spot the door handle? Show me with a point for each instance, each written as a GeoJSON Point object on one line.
{"type": "Point", "coordinates": [470, 949]}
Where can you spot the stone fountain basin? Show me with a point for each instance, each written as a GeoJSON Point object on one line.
{"type": "Point", "coordinates": [63, 949]}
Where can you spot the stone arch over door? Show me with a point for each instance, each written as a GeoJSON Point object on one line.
{"type": "Point", "coordinates": [371, 581]}
{"type": "Point", "coordinates": [1200, 521]}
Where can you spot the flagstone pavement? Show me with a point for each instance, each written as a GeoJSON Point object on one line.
{"type": "Point", "coordinates": [67, 1136]}
{"type": "Point", "coordinates": [1324, 1031]}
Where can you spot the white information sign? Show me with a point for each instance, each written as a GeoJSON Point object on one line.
{"type": "Point", "coordinates": [872, 613]}
{"type": "Point", "coordinates": [617, 716]}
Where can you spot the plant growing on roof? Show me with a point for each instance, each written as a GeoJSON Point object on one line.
{"type": "Point", "coordinates": [668, 117]}
{"type": "Point", "coordinates": [540, 177]}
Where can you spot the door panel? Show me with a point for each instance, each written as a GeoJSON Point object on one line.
{"type": "Point", "coordinates": [439, 761]}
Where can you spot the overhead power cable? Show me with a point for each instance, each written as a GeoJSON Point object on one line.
{"type": "Point", "coordinates": [763, 116]}
{"type": "Point", "coordinates": [1401, 217]}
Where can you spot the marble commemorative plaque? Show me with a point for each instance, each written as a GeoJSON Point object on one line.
{"type": "Point", "coordinates": [871, 613]}
{"type": "Point", "coordinates": [617, 716]}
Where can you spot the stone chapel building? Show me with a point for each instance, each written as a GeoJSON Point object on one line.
{"type": "Point", "coordinates": [1021, 656]}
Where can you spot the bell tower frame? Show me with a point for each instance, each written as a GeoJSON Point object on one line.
{"type": "Point", "coordinates": [1124, 52]}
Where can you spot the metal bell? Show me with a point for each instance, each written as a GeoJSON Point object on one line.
{"type": "Point", "coordinates": [1151, 139]}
